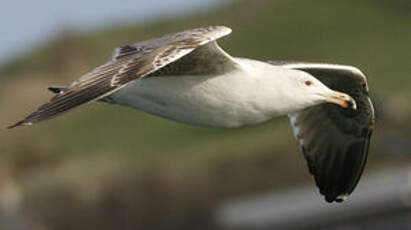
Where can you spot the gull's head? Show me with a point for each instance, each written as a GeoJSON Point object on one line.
{"type": "Point", "coordinates": [310, 91]}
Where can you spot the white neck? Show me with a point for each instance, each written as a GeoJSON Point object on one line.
{"type": "Point", "coordinates": [271, 87]}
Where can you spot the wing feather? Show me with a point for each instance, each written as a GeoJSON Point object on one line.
{"type": "Point", "coordinates": [335, 141]}
{"type": "Point", "coordinates": [129, 63]}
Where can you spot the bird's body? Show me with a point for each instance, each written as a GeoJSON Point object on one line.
{"type": "Point", "coordinates": [236, 98]}
{"type": "Point", "coordinates": [187, 77]}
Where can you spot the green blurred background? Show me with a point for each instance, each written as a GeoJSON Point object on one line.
{"type": "Point", "coordinates": [111, 167]}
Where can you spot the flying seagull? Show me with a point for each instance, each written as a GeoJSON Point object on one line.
{"type": "Point", "coordinates": [188, 78]}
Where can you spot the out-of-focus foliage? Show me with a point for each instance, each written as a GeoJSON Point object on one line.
{"type": "Point", "coordinates": [102, 165]}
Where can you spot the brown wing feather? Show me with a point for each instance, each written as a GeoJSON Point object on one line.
{"type": "Point", "coordinates": [127, 65]}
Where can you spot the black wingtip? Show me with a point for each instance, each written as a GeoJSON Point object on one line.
{"type": "Point", "coordinates": [337, 199]}
{"type": "Point", "coordinates": [55, 89]}
{"type": "Point", "coordinates": [329, 199]}
{"type": "Point", "coordinates": [17, 124]}
{"type": "Point", "coordinates": [13, 126]}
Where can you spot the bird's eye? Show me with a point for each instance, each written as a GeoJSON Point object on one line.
{"type": "Point", "coordinates": [308, 83]}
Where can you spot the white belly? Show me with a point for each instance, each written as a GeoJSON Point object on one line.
{"type": "Point", "coordinates": [229, 100]}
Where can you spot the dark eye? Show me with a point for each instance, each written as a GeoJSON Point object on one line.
{"type": "Point", "coordinates": [308, 83]}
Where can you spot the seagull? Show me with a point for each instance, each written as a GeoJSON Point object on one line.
{"type": "Point", "coordinates": [189, 78]}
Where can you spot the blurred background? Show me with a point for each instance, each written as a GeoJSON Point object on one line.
{"type": "Point", "coordinates": [111, 167]}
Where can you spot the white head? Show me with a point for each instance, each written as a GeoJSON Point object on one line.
{"type": "Point", "coordinates": [308, 91]}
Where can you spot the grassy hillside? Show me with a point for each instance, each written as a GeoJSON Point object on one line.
{"type": "Point", "coordinates": [82, 149]}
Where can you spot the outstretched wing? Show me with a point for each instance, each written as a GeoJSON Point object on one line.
{"type": "Point", "coordinates": [335, 141]}
{"type": "Point", "coordinates": [129, 63]}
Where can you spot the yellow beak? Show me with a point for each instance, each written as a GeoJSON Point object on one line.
{"type": "Point", "coordinates": [341, 99]}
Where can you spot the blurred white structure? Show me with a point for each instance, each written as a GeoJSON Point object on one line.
{"type": "Point", "coordinates": [384, 196]}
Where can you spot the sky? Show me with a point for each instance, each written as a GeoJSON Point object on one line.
{"type": "Point", "coordinates": [26, 23]}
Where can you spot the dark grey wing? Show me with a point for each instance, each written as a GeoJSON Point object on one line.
{"type": "Point", "coordinates": [334, 140]}
{"type": "Point", "coordinates": [128, 64]}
